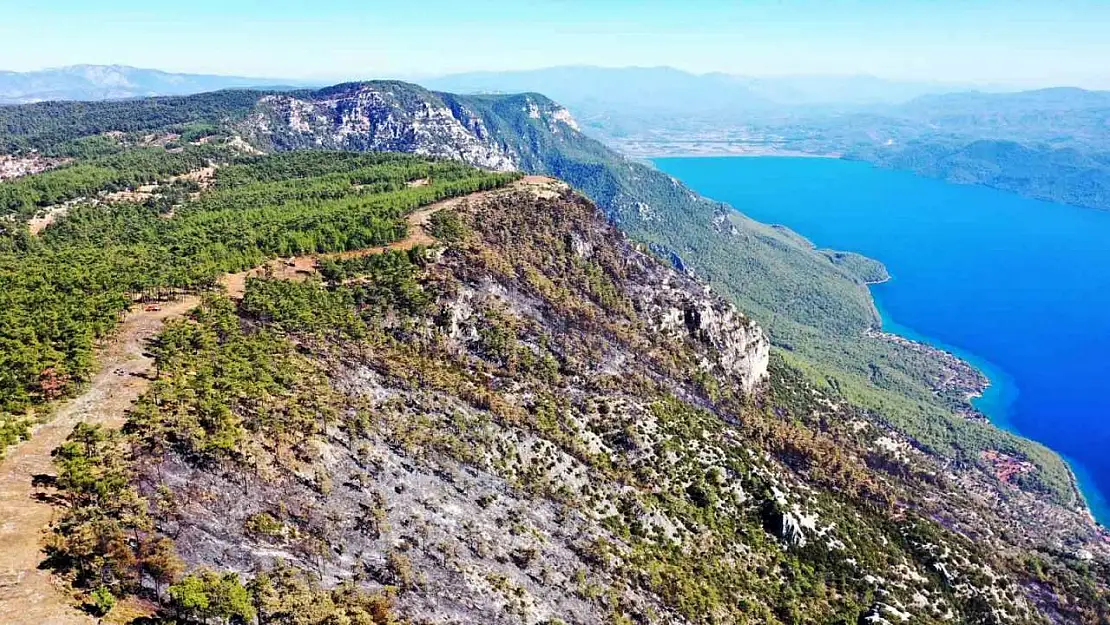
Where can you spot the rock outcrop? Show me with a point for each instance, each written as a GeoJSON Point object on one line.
{"type": "Point", "coordinates": [399, 117]}
{"type": "Point", "coordinates": [733, 344]}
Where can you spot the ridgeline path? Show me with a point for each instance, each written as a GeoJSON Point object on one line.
{"type": "Point", "coordinates": [301, 267]}
{"type": "Point", "coordinates": [28, 594]}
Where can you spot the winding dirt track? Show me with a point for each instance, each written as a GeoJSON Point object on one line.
{"type": "Point", "coordinates": [301, 267]}
{"type": "Point", "coordinates": [27, 594]}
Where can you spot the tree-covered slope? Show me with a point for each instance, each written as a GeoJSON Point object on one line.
{"type": "Point", "coordinates": [816, 309]}
{"type": "Point", "coordinates": [64, 289]}
{"type": "Point", "coordinates": [534, 134]}
{"type": "Point", "coordinates": [535, 421]}
{"type": "Point", "coordinates": [49, 126]}
{"type": "Point", "coordinates": [538, 419]}
{"type": "Point", "coordinates": [527, 132]}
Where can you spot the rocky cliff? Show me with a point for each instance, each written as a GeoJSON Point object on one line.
{"type": "Point", "coordinates": [399, 117]}
{"type": "Point", "coordinates": [543, 423]}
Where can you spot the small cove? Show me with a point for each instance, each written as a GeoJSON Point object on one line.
{"type": "Point", "coordinates": [1020, 288]}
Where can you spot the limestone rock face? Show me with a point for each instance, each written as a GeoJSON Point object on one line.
{"type": "Point", "coordinates": [399, 117]}
{"type": "Point", "coordinates": [741, 347]}
{"type": "Point", "coordinates": [377, 120]}
{"type": "Point", "coordinates": [732, 345]}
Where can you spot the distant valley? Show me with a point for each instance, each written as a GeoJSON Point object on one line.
{"type": "Point", "coordinates": [110, 82]}
{"type": "Point", "coordinates": [453, 360]}
{"type": "Point", "coordinates": [1049, 144]}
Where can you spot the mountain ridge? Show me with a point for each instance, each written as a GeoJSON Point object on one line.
{"type": "Point", "coordinates": [103, 82]}
{"type": "Point", "coordinates": [535, 420]}
{"type": "Point", "coordinates": [862, 429]}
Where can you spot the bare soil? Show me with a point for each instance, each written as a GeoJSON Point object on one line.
{"type": "Point", "coordinates": [302, 267]}
{"type": "Point", "coordinates": [37, 224]}
{"type": "Point", "coordinates": [28, 594]}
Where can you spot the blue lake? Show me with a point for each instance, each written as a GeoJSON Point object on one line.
{"type": "Point", "coordinates": [1019, 287]}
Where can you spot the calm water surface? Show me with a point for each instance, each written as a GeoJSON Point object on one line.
{"type": "Point", "coordinates": [1019, 287]}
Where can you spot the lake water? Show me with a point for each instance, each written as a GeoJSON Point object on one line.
{"type": "Point", "coordinates": [1019, 287]}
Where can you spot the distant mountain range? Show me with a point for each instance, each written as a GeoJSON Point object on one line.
{"type": "Point", "coordinates": [1051, 144]}
{"type": "Point", "coordinates": [631, 87]}
{"type": "Point", "coordinates": [108, 82]}
{"type": "Point", "coordinates": [666, 87]}
{"type": "Point", "coordinates": [650, 111]}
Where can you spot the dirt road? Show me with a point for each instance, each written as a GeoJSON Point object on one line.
{"type": "Point", "coordinates": [301, 267]}
{"type": "Point", "coordinates": [27, 594]}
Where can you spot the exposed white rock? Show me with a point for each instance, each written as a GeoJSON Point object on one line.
{"type": "Point", "coordinates": [12, 166]}
{"type": "Point", "coordinates": [373, 118]}
{"type": "Point", "coordinates": [580, 246]}
{"type": "Point", "coordinates": [533, 110]}
{"type": "Point", "coordinates": [564, 116]}
{"type": "Point", "coordinates": [735, 346]}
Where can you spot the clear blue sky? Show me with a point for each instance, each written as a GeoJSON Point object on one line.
{"type": "Point", "coordinates": [1021, 42]}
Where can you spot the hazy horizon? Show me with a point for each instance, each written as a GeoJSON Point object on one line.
{"type": "Point", "coordinates": [328, 80]}
{"type": "Point", "coordinates": [1027, 45]}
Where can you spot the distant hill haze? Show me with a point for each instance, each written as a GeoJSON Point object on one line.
{"type": "Point", "coordinates": [107, 82]}
{"type": "Point", "coordinates": [666, 87]}
{"type": "Point", "coordinates": [634, 87]}
{"type": "Point", "coordinates": [1051, 144]}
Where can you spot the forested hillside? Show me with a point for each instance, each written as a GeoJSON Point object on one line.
{"type": "Point", "coordinates": [539, 413]}
{"type": "Point", "coordinates": [817, 310]}
{"type": "Point", "coordinates": [535, 421]}
{"type": "Point", "coordinates": [65, 288]}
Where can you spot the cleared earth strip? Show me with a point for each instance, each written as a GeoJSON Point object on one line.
{"type": "Point", "coordinates": [301, 267]}
{"type": "Point", "coordinates": [29, 594]}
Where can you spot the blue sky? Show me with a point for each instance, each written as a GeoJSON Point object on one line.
{"type": "Point", "coordinates": [1019, 42]}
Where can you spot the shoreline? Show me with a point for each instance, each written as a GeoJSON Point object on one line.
{"type": "Point", "coordinates": [1000, 384]}
{"type": "Point", "coordinates": [1080, 477]}
{"type": "Point", "coordinates": [995, 403]}
{"type": "Point", "coordinates": [741, 153]}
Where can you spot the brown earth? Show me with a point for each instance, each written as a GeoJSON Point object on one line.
{"type": "Point", "coordinates": [28, 594]}
{"type": "Point", "coordinates": [302, 267]}
{"type": "Point", "coordinates": [1006, 467]}
{"type": "Point", "coordinates": [37, 224]}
